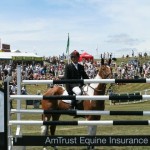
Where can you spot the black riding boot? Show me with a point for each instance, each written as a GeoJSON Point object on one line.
{"type": "Point", "coordinates": [73, 104]}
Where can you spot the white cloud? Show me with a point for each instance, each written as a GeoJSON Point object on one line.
{"type": "Point", "coordinates": [124, 39]}
{"type": "Point", "coordinates": [110, 24]}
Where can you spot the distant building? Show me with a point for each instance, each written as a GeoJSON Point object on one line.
{"type": "Point", "coordinates": [5, 48]}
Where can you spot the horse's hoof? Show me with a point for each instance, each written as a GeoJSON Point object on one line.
{"type": "Point", "coordinates": [44, 148]}
{"type": "Point", "coordinates": [90, 148]}
{"type": "Point", "coordinates": [55, 147]}
{"type": "Point", "coordinates": [43, 130]}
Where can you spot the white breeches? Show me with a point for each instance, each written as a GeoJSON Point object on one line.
{"type": "Point", "coordinates": [77, 90]}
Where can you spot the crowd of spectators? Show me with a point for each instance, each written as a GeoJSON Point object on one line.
{"type": "Point", "coordinates": [132, 71]}
{"type": "Point", "coordinates": [55, 70]}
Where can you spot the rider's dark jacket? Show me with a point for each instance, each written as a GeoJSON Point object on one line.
{"type": "Point", "coordinates": [72, 73]}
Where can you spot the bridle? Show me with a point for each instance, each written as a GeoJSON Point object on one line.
{"type": "Point", "coordinates": [106, 76]}
{"type": "Point", "coordinates": [96, 89]}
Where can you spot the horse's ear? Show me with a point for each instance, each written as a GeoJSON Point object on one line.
{"type": "Point", "coordinates": [102, 61]}
{"type": "Point", "coordinates": [109, 61]}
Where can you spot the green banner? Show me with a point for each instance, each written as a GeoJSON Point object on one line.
{"type": "Point", "coordinates": [16, 58]}
{"type": "Point", "coordinates": [24, 58]}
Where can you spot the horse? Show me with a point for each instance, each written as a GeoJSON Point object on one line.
{"type": "Point", "coordinates": [104, 72]}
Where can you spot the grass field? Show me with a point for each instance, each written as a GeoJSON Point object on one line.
{"type": "Point", "coordinates": [101, 130]}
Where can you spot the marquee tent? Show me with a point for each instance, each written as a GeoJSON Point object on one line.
{"type": "Point", "coordinates": [19, 56]}
{"type": "Point", "coordinates": [85, 56]}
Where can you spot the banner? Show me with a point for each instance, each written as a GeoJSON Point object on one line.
{"type": "Point", "coordinates": [83, 140]}
{"type": "Point", "coordinates": [23, 58]}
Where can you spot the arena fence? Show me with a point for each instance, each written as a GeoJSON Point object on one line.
{"type": "Point", "coordinates": [19, 97]}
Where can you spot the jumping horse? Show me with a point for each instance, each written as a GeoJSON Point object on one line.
{"type": "Point", "coordinates": [104, 72]}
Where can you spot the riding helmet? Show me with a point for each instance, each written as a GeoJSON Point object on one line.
{"type": "Point", "coordinates": [75, 53]}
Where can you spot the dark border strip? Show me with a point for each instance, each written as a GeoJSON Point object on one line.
{"type": "Point", "coordinates": [68, 81]}
{"type": "Point", "coordinates": [56, 97]}
{"type": "Point", "coordinates": [138, 113]}
{"type": "Point", "coordinates": [60, 122]}
{"type": "Point", "coordinates": [66, 112]}
{"type": "Point", "coordinates": [131, 122]}
{"type": "Point", "coordinates": [125, 97]}
{"type": "Point", "coordinates": [130, 80]}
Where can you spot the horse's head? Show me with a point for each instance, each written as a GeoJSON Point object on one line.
{"type": "Point", "coordinates": [105, 71]}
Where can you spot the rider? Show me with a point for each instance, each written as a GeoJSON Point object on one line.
{"type": "Point", "coordinates": [74, 70]}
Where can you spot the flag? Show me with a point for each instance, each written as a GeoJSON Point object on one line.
{"type": "Point", "coordinates": [68, 42]}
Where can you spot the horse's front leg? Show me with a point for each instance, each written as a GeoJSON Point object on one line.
{"type": "Point", "coordinates": [92, 132]}
{"type": "Point", "coordinates": [44, 128]}
{"type": "Point", "coordinates": [53, 128]}
{"type": "Point", "coordinates": [92, 129]}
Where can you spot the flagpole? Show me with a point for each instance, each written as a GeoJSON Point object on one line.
{"type": "Point", "coordinates": [67, 49]}
{"type": "Point", "coordinates": [68, 57]}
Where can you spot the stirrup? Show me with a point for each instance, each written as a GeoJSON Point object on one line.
{"type": "Point", "coordinates": [73, 107]}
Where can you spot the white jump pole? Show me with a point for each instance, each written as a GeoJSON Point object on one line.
{"type": "Point", "coordinates": [85, 81]}
{"type": "Point", "coordinates": [95, 97]}
{"type": "Point", "coordinates": [86, 123]}
{"type": "Point", "coordinates": [19, 93]}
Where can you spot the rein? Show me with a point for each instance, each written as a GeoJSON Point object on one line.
{"type": "Point", "coordinates": [95, 89]}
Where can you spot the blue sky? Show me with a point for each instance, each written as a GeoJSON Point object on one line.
{"type": "Point", "coordinates": [42, 26]}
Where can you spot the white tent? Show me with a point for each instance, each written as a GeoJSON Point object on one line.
{"type": "Point", "coordinates": [10, 55]}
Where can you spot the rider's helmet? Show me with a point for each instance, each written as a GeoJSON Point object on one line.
{"type": "Point", "coordinates": [75, 53]}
